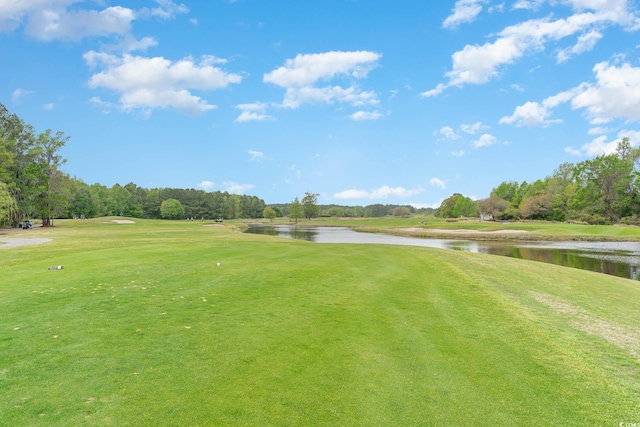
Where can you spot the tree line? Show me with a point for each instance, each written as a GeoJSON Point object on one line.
{"type": "Point", "coordinates": [602, 190]}
{"type": "Point", "coordinates": [33, 186]}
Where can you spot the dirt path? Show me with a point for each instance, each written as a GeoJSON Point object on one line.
{"type": "Point", "coordinates": [16, 241]}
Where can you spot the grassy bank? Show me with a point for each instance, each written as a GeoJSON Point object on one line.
{"type": "Point", "coordinates": [142, 327]}
{"type": "Point", "coordinates": [429, 227]}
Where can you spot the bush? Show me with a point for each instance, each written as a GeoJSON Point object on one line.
{"type": "Point", "coordinates": [630, 220]}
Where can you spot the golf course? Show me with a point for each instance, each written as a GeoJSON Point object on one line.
{"type": "Point", "coordinates": [194, 323]}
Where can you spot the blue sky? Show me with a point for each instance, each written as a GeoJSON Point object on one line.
{"type": "Point", "coordinates": [361, 101]}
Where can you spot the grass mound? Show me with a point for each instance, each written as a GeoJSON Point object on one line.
{"type": "Point", "coordinates": [143, 327]}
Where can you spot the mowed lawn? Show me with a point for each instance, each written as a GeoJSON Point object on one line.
{"type": "Point", "coordinates": [143, 327]}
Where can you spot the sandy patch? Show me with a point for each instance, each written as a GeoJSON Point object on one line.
{"type": "Point", "coordinates": [461, 231]}
{"type": "Point", "coordinates": [15, 242]}
{"type": "Point", "coordinates": [120, 221]}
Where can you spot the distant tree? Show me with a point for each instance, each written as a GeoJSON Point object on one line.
{"type": "Point", "coordinates": [171, 209]}
{"type": "Point", "coordinates": [335, 211]}
{"type": "Point", "coordinates": [310, 205]}
{"type": "Point", "coordinates": [493, 206]}
{"type": "Point", "coordinates": [402, 211]}
{"type": "Point", "coordinates": [506, 190]}
{"type": "Point", "coordinates": [269, 213]}
{"type": "Point", "coordinates": [7, 204]}
{"type": "Point", "coordinates": [295, 210]}
{"type": "Point", "coordinates": [606, 186]}
{"type": "Point", "coordinates": [538, 206]}
{"type": "Point", "coordinates": [456, 206]}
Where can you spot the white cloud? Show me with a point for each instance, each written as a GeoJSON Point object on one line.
{"type": "Point", "coordinates": [67, 20]}
{"type": "Point", "coordinates": [255, 112]}
{"type": "Point", "coordinates": [49, 24]}
{"type": "Point", "coordinates": [484, 141]}
{"type": "Point", "coordinates": [528, 114]}
{"type": "Point", "coordinates": [305, 70]}
{"type": "Point", "coordinates": [614, 95]}
{"type": "Point", "coordinates": [149, 83]}
{"type": "Point", "coordinates": [586, 42]}
{"type": "Point", "coordinates": [365, 115]}
{"type": "Point", "coordinates": [602, 145]}
{"type": "Point", "coordinates": [256, 156]}
{"type": "Point", "coordinates": [633, 135]}
{"type": "Point", "coordinates": [458, 153]}
{"type": "Point", "coordinates": [598, 146]}
{"type": "Point", "coordinates": [448, 132]}
{"type": "Point", "coordinates": [436, 182]}
{"type": "Point", "coordinates": [598, 130]}
{"type": "Point", "coordinates": [477, 64]}
{"type": "Point", "coordinates": [464, 11]}
{"type": "Point", "coordinates": [296, 96]}
{"type": "Point", "coordinates": [166, 10]}
{"type": "Point", "coordinates": [235, 188]}
{"type": "Point", "coordinates": [48, 106]}
{"type": "Point", "coordinates": [474, 128]}
{"type": "Point", "coordinates": [528, 4]}
{"type": "Point", "coordinates": [383, 192]}
{"type": "Point", "coordinates": [299, 76]}
{"type": "Point", "coordinates": [573, 151]}
{"type": "Point", "coordinates": [206, 185]}
{"type": "Point", "coordinates": [19, 93]}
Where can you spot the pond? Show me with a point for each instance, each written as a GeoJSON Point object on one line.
{"type": "Point", "coordinates": [615, 258]}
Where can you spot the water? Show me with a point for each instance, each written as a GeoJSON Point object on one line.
{"type": "Point", "coordinates": [620, 259]}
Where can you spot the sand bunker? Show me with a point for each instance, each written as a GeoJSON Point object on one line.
{"type": "Point", "coordinates": [120, 221]}
{"type": "Point", "coordinates": [461, 231]}
{"type": "Point", "coordinates": [15, 242]}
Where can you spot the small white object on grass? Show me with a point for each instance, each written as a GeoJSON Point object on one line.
{"type": "Point", "coordinates": [218, 264]}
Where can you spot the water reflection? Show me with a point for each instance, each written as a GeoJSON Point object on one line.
{"type": "Point", "coordinates": [620, 259]}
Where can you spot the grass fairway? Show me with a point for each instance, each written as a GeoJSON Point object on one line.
{"type": "Point", "coordinates": [142, 327]}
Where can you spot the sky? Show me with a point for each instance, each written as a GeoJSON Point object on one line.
{"type": "Point", "coordinates": [360, 101]}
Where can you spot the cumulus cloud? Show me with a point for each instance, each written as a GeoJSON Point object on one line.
{"type": "Point", "coordinates": [67, 20]}
{"type": "Point", "coordinates": [365, 115]}
{"type": "Point", "coordinates": [601, 144]}
{"type": "Point", "coordinates": [300, 75]}
{"type": "Point", "coordinates": [477, 64]}
{"type": "Point", "coordinates": [235, 188]}
{"type": "Point", "coordinates": [166, 9]}
{"type": "Point", "coordinates": [464, 11]}
{"type": "Point", "coordinates": [484, 141]}
{"type": "Point", "coordinates": [614, 95]}
{"type": "Point", "coordinates": [149, 83]}
{"type": "Point", "coordinates": [383, 192]}
{"type": "Point", "coordinates": [474, 128]}
{"type": "Point", "coordinates": [448, 132]}
{"type": "Point", "coordinates": [255, 112]}
{"type": "Point", "coordinates": [206, 185]}
{"type": "Point", "coordinates": [586, 42]}
{"type": "Point", "coordinates": [437, 182]}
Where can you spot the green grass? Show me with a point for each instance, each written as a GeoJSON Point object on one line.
{"type": "Point", "coordinates": [536, 230]}
{"type": "Point", "coordinates": [142, 327]}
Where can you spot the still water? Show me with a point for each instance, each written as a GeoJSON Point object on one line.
{"type": "Point", "coordinates": [615, 258]}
